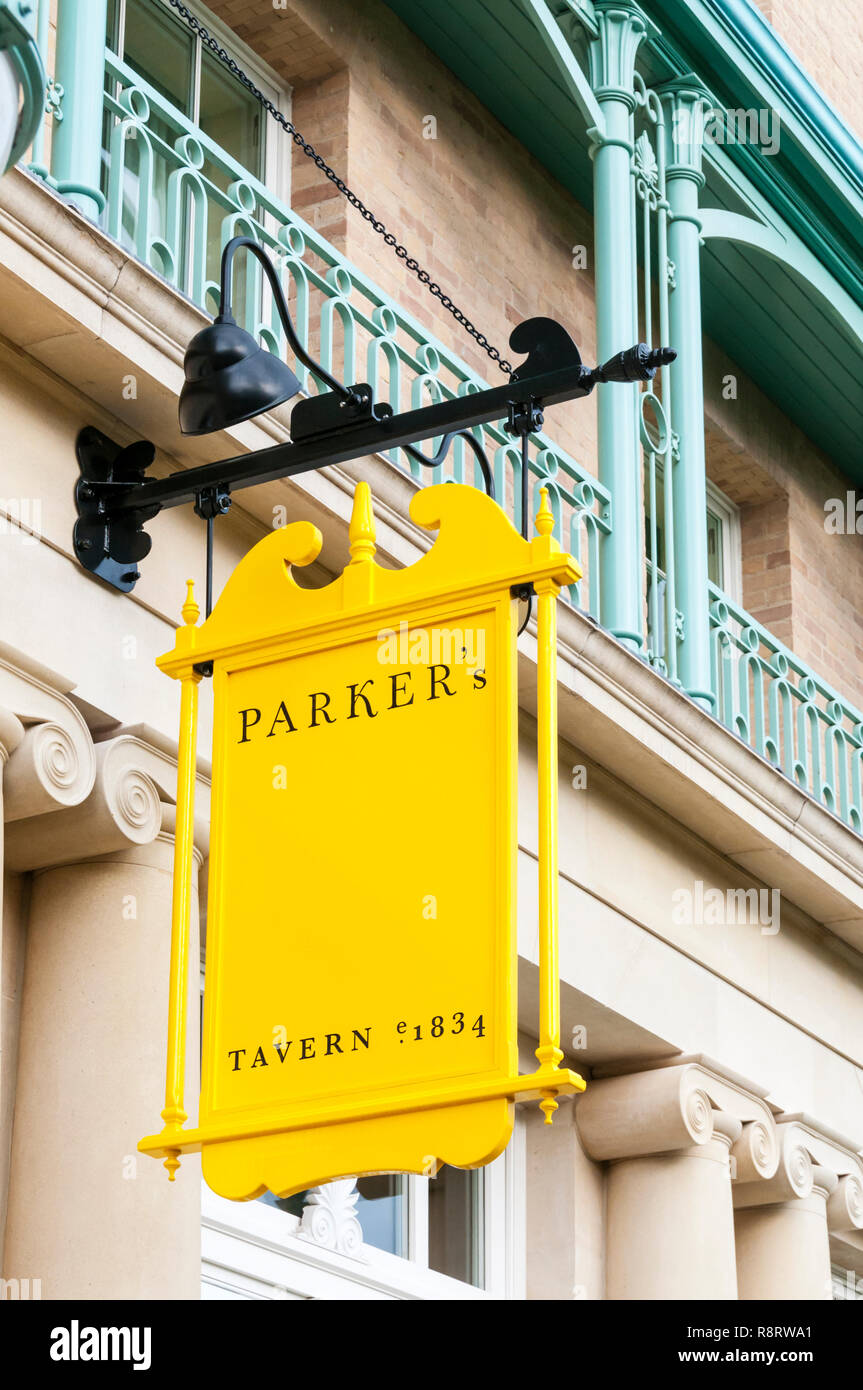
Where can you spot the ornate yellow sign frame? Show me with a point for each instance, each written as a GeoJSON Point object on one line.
{"type": "Point", "coordinates": [265, 622]}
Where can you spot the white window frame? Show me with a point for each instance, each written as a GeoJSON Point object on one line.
{"type": "Point", "coordinates": [732, 553]}
{"type": "Point", "coordinates": [277, 152]}
{"type": "Point", "coordinates": [250, 1250]}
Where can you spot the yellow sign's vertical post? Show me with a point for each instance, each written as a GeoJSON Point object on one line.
{"type": "Point", "coordinates": [174, 1114]}
{"type": "Point", "coordinates": [548, 1053]}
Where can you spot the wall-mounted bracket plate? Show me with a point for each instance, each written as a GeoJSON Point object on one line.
{"type": "Point", "coordinates": [110, 543]}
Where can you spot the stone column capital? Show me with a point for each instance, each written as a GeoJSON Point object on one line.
{"type": "Point", "coordinates": [810, 1163]}
{"type": "Point", "coordinates": [50, 760]}
{"type": "Point", "coordinates": [755, 1155]}
{"type": "Point", "coordinates": [668, 1109]}
{"type": "Point", "coordinates": [131, 803]}
{"type": "Point", "coordinates": [11, 733]}
{"type": "Point", "coordinates": [845, 1209]}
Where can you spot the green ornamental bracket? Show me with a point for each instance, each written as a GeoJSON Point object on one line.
{"type": "Point", "coordinates": [20, 57]}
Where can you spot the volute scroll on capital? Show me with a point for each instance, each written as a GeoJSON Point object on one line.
{"type": "Point", "coordinates": [129, 803]}
{"type": "Point", "coordinates": [811, 1162]}
{"type": "Point", "coordinates": [50, 762]}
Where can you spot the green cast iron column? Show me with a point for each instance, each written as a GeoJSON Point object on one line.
{"type": "Point", "coordinates": [80, 71]}
{"type": "Point", "coordinates": [621, 26]}
{"type": "Point", "coordinates": [686, 100]}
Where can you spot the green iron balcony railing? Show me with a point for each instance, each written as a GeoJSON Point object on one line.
{"type": "Point", "coordinates": [174, 197]}
{"type": "Point", "coordinates": [776, 704]}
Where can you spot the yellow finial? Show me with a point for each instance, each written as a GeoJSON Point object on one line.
{"type": "Point", "coordinates": [361, 532]}
{"type": "Point", "coordinates": [190, 611]}
{"type": "Point", "coordinates": [545, 516]}
{"type": "Point", "coordinates": [548, 1105]}
{"type": "Point", "coordinates": [172, 1163]}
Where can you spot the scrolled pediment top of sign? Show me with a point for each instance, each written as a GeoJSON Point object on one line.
{"type": "Point", "coordinates": [477, 549]}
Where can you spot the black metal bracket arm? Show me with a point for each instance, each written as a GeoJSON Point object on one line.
{"type": "Point", "coordinates": [109, 540]}
{"type": "Point", "coordinates": [115, 499]}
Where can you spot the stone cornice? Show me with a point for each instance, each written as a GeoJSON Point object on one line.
{"type": "Point", "coordinates": [99, 294]}
{"type": "Point", "coordinates": [103, 310]}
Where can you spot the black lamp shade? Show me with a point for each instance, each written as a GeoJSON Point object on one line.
{"type": "Point", "coordinates": [230, 378]}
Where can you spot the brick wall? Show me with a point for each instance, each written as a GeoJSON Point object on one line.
{"type": "Point", "coordinates": [802, 582]}
{"type": "Point", "coordinates": [827, 39]}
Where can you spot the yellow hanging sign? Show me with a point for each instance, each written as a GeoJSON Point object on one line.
{"type": "Point", "coordinates": [360, 997]}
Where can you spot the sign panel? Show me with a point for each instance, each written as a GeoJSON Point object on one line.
{"type": "Point", "coordinates": [360, 999]}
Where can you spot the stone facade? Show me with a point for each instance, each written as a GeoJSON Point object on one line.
{"type": "Point", "coordinates": [715, 1152]}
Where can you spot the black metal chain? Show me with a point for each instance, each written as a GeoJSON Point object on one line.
{"type": "Point", "coordinates": [309, 150]}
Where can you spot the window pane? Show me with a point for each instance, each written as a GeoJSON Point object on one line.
{"type": "Point", "coordinates": [382, 1210]}
{"type": "Point", "coordinates": [456, 1233]}
{"type": "Point", "coordinates": [157, 48]}
{"type": "Point", "coordinates": [293, 1205]}
{"type": "Point", "coordinates": [112, 37]}
{"type": "Point", "coordinates": [714, 549]}
{"type": "Point", "coordinates": [230, 116]}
